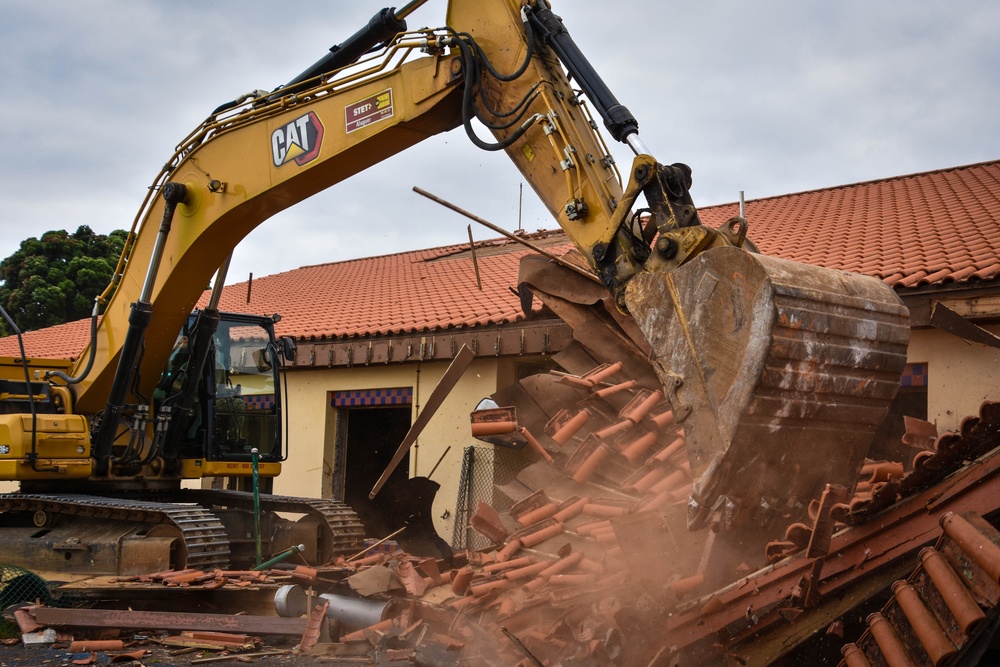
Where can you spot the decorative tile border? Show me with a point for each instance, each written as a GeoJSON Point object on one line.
{"type": "Point", "coordinates": [259, 401]}
{"type": "Point", "coordinates": [914, 375]}
{"type": "Point", "coordinates": [367, 398]}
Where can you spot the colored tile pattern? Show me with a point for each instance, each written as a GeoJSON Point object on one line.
{"type": "Point", "coordinates": [259, 401]}
{"type": "Point", "coordinates": [366, 398]}
{"type": "Point", "coordinates": [914, 375]}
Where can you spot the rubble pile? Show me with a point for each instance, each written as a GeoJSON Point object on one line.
{"type": "Point", "coordinates": [593, 562]}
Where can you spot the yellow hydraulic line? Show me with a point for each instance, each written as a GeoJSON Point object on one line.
{"type": "Point", "coordinates": [571, 192]}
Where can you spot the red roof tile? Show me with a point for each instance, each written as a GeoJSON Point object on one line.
{"type": "Point", "coordinates": [59, 342]}
{"type": "Point", "coordinates": [922, 229]}
{"type": "Point", "coordinates": [410, 292]}
{"type": "Point", "coordinates": [423, 290]}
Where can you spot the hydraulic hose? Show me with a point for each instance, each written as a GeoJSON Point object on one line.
{"type": "Point", "coordinates": [33, 455]}
{"type": "Point", "coordinates": [138, 321]}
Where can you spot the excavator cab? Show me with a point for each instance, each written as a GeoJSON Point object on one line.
{"type": "Point", "coordinates": [234, 404]}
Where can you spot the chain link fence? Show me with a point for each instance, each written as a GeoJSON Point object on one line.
{"type": "Point", "coordinates": [484, 471]}
{"type": "Point", "coordinates": [19, 585]}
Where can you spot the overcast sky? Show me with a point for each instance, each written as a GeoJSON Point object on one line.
{"type": "Point", "coordinates": [769, 97]}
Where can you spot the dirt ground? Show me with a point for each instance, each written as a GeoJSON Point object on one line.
{"type": "Point", "coordinates": [160, 656]}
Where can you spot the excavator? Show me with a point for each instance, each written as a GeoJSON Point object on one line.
{"type": "Point", "coordinates": [768, 364]}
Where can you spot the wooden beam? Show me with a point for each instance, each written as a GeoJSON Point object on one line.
{"type": "Point", "coordinates": [946, 319]}
{"type": "Point", "coordinates": [441, 391]}
{"type": "Point", "coordinates": [162, 620]}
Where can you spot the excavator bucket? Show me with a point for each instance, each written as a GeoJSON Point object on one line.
{"type": "Point", "coordinates": [779, 372]}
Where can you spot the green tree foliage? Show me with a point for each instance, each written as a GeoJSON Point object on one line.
{"type": "Point", "coordinates": [54, 279]}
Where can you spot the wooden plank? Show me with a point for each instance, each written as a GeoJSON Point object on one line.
{"type": "Point", "coordinates": [448, 381]}
{"type": "Point", "coordinates": [948, 320]}
{"type": "Point", "coordinates": [158, 620]}
{"type": "Point", "coordinates": [777, 640]}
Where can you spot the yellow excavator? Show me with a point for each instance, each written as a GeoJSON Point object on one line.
{"type": "Point", "coordinates": [768, 364]}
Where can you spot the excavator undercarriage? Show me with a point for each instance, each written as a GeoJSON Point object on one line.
{"type": "Point", "coordinates": [203, 529]}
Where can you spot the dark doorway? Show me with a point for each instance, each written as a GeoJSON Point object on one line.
{"type": "Point", "coordinates": [888, 441]}
{"type": "Point", "coordinates": [372, 437]}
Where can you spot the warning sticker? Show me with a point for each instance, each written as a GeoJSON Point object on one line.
{"type": "Point", "coordinates": [369, 110]}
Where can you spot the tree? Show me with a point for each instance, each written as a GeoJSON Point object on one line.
{"type": "Point", "coordinates": [55, 279]}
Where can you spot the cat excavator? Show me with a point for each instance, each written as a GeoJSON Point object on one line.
{"type": "Point", "coordinates": [767, 363]}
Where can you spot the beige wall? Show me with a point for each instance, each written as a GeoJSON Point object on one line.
{"type": "Point", "coordinates": [961, 375]}
{"type": "Point", "coordinates": [311, 423]}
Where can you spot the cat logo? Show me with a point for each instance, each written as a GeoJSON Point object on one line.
{"type": "Point", "coordinates": [298, 141]}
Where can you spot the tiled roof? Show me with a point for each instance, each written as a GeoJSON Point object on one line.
{"type": "Point", "coordinates": [423, 290]}
{"type": "Point", "coordinates": [923, 229]}
{"type": "Point", "coordinates": [59, 342]}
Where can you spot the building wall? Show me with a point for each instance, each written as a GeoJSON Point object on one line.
{"type": "Point", "coordinates": [312, 423]}
{"type": "Point", "coordinates": [961, 375]}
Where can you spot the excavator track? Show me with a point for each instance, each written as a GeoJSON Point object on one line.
{"type": "Point", "coordinates": [203, 536]}
{"type": "Point", "coordinates": [342, 531]}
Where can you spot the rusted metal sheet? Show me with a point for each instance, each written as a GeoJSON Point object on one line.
{"type": "Point", "coordinates": [604, 333]}
{"type": "Point", "coordinates": [948, 320]}
{"type": "Point", "coordinates": [441, 390]}
{"type": "Point", "coordinates": [779, 372]}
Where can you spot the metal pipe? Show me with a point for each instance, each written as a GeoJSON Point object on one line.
{"type": "Point", "coordinates": [636, 144]}
{"type": "Point", "coordinates": [617, 118]}
{"type": "Point", "coordinates": [357, 613]}
{"type": "Point", "coordinates": [372, 546]}
{"type": "Point", "coordinates": [446, 450]}
{"type": "Point", "coordinates": [173, 194]}
{"type": "Point", "coordinates": [138, 321]}
{"type": "Point", "coordinates": [512, 237]}
{"type": "Point", "coordinates": [380, 29]}
{"type": "Point", "coordinates": [220, 281]}
{"type": "Point", "coordinates": [521, 647]}
{"type": "Point", "coordinates": [408, 9]}
{"type": "Point", "coordinates": [90, 357]}
{"type": "Point", "coordinates": [743, 206]}
{"type": "Point", "coordinates": [255, 460]}
{"type": "Point", "coordinates": [287, 553]}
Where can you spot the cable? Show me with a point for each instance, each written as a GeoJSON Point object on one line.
{"type": "Point", "coordinates": [93, 352]}
{"type": "Point", "coordinates": [33, 455]}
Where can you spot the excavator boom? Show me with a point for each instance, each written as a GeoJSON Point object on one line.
{"type": "Point", "coordinates": [769, 365]}
{"type": "Point", "coordinates": [766, 363]}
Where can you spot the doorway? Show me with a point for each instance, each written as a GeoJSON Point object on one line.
{"type": "Point", "coordinates": [367, 438]}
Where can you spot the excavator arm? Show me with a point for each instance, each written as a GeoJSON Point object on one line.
{"type": "Point", "coordinates": [243, 165]}
{"type": "Point", "coordinates": [497, 62]}
{"type": "Point", "coordinates": [757, 356]}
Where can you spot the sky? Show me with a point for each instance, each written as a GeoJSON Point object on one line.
{"type": "Point", "coordinates": [768, 97]}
